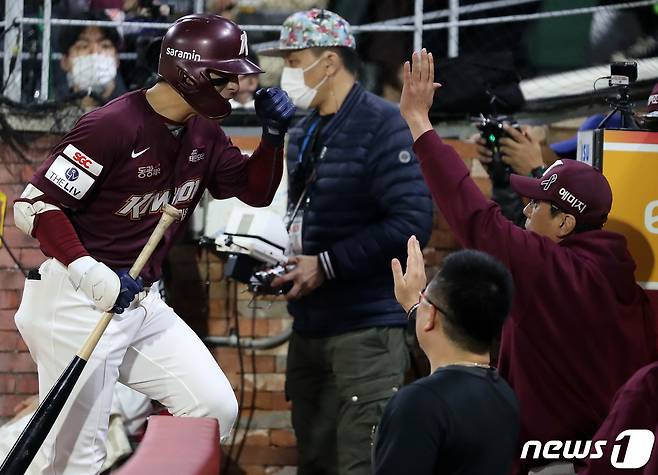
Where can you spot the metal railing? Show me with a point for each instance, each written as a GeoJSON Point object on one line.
{"type": "Point", "coordinates": [14, 21]}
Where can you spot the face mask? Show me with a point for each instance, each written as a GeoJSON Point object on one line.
{"type": "Point", "coordinates": [92, 71]}
{"type": "Point", "coordinates": [292, 81]}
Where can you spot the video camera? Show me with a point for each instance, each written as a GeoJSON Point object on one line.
{"type": "Point", "coordinates": [491, 130]}
{"type": "Point", "coordinates": [255, 241]}
{"type": "Point", "coordinates": [622, 75]}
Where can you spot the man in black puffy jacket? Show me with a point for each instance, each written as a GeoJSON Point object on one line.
{"type": "Point", "coordinates": [356, 195]}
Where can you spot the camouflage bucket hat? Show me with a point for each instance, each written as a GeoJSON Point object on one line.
{"type": "Point", "coordinates": [314, 28]}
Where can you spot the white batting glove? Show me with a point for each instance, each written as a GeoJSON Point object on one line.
{"type": "Point", "coordinates": [98, 282]}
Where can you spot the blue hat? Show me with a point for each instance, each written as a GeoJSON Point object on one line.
{"type": "Point", "coordinates": [569, 148]}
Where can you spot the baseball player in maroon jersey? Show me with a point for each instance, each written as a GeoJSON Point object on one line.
{"type": "Point", "coordinates": [93, 204]}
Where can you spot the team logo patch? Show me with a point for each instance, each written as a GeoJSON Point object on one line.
{"type": "Point", "coordinates": [80, 158]}
{"type": "Point", "coordinates": [197, 155]}
{"type": "Point", "coordinates": [72, 174]}
{"type": "Point", "coordinates": [244, 47]}
{"type": "Point", "coordinates": [69, 178]}
{"type": "Point", "coordinates": [404, 156]}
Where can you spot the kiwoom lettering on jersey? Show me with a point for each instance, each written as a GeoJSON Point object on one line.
{"type": "Point", "coordinates": [69, 177]}
{"type": "Point", "coordinates": [79, 157]}
{"type": "Point", "coordinates": [140, 205]}
{"type": "Point", "coordinates": [632, 449]}
{"type": "Point", "coordinates": [179, 53]}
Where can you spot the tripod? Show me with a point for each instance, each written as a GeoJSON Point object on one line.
{"type": "Point", "coordinates": [622, 104]}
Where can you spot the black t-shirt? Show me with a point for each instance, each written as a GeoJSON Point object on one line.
{"type": "Point", "coordinates": [459, 420]}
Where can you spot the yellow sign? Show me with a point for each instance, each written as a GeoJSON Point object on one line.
{"type": "Point", "coordinates": [3, 208]}
{"type": "Point", "coordinates": [630, 163]}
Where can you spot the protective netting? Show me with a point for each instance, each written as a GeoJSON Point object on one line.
{"type": "Point", "coordinates": [516, 54]}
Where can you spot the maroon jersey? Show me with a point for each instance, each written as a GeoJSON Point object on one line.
{"type": "Point", "coordinates": [580, 326]}
{"type": "Point", "coordinates": [634, 407]}
{"type": "Point", "coordinates": [115, 170]}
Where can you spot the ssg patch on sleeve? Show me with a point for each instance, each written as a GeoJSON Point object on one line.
{"type": "Point", "coordinates": [69, 178]}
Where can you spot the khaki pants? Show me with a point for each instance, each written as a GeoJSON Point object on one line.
{"type": "Point", "coordinates": [339, 387]}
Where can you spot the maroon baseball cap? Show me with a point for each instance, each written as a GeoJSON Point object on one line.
{"type": "Point", "coordinates": [575, 187]}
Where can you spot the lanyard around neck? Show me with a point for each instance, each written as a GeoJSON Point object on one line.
{"type": "Point", "coordinates": [307, 138]}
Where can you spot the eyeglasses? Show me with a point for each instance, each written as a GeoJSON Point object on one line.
{"type": "Point", "coordinates": [422, 297]}
{"type": "Point", "coordinates": [534, 203]}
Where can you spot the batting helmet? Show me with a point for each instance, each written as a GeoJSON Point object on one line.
{"type": "Point", "coordinates": [193, 47]}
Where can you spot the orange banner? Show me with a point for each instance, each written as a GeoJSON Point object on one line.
{"type": "Point", "coordinates": [630, 163]}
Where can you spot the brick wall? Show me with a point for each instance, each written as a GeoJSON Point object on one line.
{"type": "Point", "coordinates": [18, 378]}
{"type": "Point", "coordinates": [205, 300]}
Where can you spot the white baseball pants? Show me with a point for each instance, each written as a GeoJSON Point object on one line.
{"type": "Point", "coordinates": [148, 348]}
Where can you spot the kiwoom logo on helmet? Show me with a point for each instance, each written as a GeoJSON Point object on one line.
{"type": "Point", "coordinates": [179, 53]}
{"type": "Point", "coordinates": [632, 449]}
{"type": "Point", "coordinates": [244, 47]}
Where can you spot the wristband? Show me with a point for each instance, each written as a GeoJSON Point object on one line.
{"type": "Point", "coordinates": [537, 172]}
{"type": "Point", "coordinates": [411, 314]}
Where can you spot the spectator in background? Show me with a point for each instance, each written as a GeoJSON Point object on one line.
{"type": "Point", "coordinates": [575, 289]}
{"type": "Point", "coordinates": [226, 8]}
{"type": "Point", "coordinates": [463, 418]}
{"type": "Point", "coordinates": [244, 99]}
{"type": "Point", "coordinates": [355, 196]}
{"type": "Point", "coordinates": [89, 65]}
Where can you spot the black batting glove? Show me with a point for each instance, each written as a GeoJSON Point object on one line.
{"type": "Point", "coordinates": [275, 111]}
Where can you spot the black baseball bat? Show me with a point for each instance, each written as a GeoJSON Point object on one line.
{"type": "Point", "coordinates": [43, 420]}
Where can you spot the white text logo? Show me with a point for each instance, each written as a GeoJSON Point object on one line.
{"type": "Point", "coordinates": [572, 200]}
{"type": "Point", "coordinates": [148, 171]}
{"type": "Point", "coordinates": [196, 155]}
{"type": "Point", "coordinates": [244, 48]}
{"type": "Point", "coordinates": [632, 449]}
{"type": "Point", "coordinates": [179, 53]}
{"type": "Point", "coordinates": [651, 217]}
{"type": "Point", "coordinates": [140, 205]}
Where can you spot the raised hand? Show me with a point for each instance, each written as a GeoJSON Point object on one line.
{"type": "Point", "coordinates": [275, 110]}
{"type": "Point", "coordinates": [409, 285]}
{"type": "Point", "coordinates": [418, 92]}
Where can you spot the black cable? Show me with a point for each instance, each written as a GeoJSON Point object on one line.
{"type": "Point", "coordinates": [597, 80]}
{"type": "Point", "coordinates": [238, 346]}
{"type": "Point", "coordinates": [11, 254]}
{"type": "Point", "coordinates": [9, 136]}
{"type": "Point", "coordinates": [253, 391]}
{"type": "Point", "coordinates": [14, 58]}
{"type": "Point", "coordinates": [14, 24]}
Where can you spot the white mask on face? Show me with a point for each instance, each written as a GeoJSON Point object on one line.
{"type": "Point", "coordinates": [92, 71]}
{"type": "Point", "coordinates": [292, 81]}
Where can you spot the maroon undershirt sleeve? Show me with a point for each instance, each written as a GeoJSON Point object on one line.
{"type": "Point", "coordinates": [57, 237]}
{"type": "Point", "coordinates": [263, 171]}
